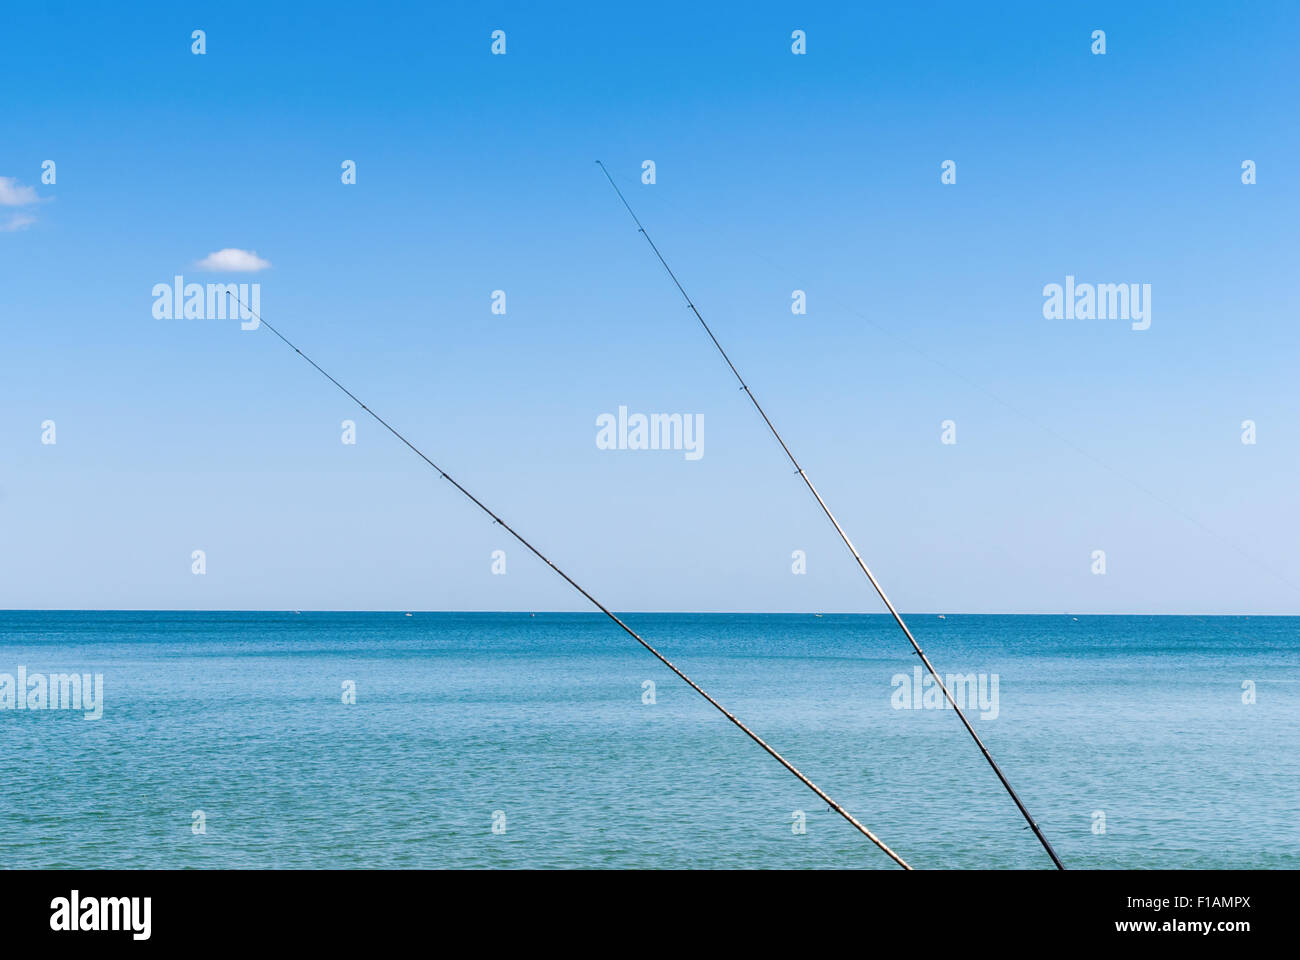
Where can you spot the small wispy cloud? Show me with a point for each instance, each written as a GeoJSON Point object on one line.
{"type": "Point", "coordinates": [17, 221]}
{"type": "Point", "coordinates": [14, 194]}
{"type": "Point", "coordinates": [233, 260]}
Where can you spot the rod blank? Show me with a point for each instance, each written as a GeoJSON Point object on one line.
{"type": "Point", "coordinates": [603, 609]}
{"type": "Point", "coordinates": [840, 530]}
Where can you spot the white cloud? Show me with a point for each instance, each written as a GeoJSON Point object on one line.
{"type": "Point", "coordinates": [232, 260]}
{"type": "Point", "coordinates": [13, 195]}
{"type": "Point", "coordinates": [17, 222]}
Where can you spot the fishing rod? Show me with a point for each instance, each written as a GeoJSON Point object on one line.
{"type": "Point", "coordinates": [840, 530]}
{"type": "Point", "coordinates": [599, 606]}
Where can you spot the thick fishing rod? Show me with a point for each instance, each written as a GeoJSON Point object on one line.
{"type": "Point", "coordinates": [840, 530]}
{"type": "Point", "coordinates": [599, 606]}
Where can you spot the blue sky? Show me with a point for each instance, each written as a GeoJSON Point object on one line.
{"type": "Point", "coordinates": [775, 172]}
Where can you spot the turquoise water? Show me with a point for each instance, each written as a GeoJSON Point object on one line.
{"type": "Point", "coordinates": [458, 716]}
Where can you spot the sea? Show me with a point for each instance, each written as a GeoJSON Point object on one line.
{"type": "Point", "coordinates": [554, 740]}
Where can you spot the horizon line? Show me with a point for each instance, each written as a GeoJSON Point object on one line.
{"type": "Point", "coordinates": [754, 613]}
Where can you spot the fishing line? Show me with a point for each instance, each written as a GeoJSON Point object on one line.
{"type": "Point", "coordinates": [840, 530]}
{"type": "Point", "coordinates": [600, 606]}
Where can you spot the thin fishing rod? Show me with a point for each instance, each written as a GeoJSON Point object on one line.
{"type": "Point", "coordinates": [600, 606]}
{"type": "Point", "coordinates": [840, 530]}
